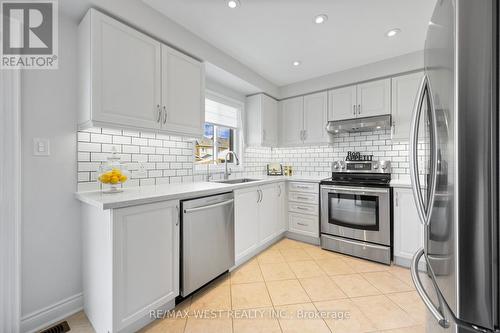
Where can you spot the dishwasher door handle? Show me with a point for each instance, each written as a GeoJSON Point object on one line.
{"type": "Point", "coordinates": [197, 209]}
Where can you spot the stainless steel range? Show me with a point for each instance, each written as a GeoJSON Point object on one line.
{"type": "Point", "coordinates": [356, 206]}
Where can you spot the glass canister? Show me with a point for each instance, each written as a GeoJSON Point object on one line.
{"type": "Point", "coordinates": [113, 173]}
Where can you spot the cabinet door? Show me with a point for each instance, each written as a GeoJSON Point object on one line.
{"type": "Point", "coordinates": [125, 74]}
{"type": "Point", "coordinates": [292, 121]}
{"type": "Point", "coordinates": [268, 213]}
{"type": "Point", "coordinates": [374, 98]}
{"type": "Point", "coordinates": [342, 103]}
{"type": "Point", "coordinates": [281, 204]}
{"type": "Point", "coordinates": [269, 114]}
{"type": "Point", "coordinates": [315, 118]}
{"type": "Point", "coordinates": [246, 221]}
{"type": "Point", "coordinates": [404, 93]}
{"type": "Point", "coordinates": [145, 259]}
{"type": "Point", "coordinates": [408, 231]}
{"type": "Point", "coordinates": [183, 93]}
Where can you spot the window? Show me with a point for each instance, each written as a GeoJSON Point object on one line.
{"type": "Point", "coordinates": [221, 131]}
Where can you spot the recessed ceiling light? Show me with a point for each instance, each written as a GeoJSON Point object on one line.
{"type": "Point", "coordinates": [393, 32]}
{"type": "Point", "coordinates": [233, 4]}
{"type": "Point", "coordinates": [296, 63]}
{"type": "Point", "coordinates": [322, 18]}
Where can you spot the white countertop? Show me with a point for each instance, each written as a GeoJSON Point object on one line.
{"type": "Point", "coordinates": [149, 194]}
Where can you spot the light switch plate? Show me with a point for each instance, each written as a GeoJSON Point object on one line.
{"type": "Point", "coordinates": [41, 147]}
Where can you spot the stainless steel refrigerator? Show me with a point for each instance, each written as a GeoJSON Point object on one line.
{"type": "Point", "coordinates": [454, 162]}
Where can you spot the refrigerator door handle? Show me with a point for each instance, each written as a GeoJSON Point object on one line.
{"type": "Point", "coordinates": [415, 181]}
{"type": "Point", "coordinates": [423, 91]}
{"type": "Point", "coordinates": [436, 313]}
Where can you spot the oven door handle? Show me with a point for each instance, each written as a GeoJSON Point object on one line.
{"type": "Point", "coordinates": [355, 191]}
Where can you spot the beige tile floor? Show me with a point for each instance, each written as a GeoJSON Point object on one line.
{"type": "Point", "coordinates": [293, 278]}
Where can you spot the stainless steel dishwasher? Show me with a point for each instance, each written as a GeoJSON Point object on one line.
{"type": "Point", "coordinates": [207, 240]}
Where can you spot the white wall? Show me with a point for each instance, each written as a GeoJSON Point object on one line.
{"type": "Point", "coordinates": [51, 249]}
{"type": "Point", "coordinates": [388, 67]}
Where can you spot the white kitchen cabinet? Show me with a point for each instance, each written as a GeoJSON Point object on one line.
{"type": "Point", "coordinates": [183, 93]}
{"type": "Point", "coordinates": [404, 94]}
{"type": "Point", "coordinates": [281, 204]}
{"type": "Point", "coordinates": [303, 210]}
{"type": "Point", "coordinates": [292, 121]}
{"type": "Point", "coordinates": [130, 263]}
{"type": "Point", "coordinates": [259, 218]}
{"type": "Point", "coordinates": [342, 103]}
{"type": "Point", "coordinates": [120, 74]}
{"type": "Point", "coordinates": [130, 80]}
{"type": "Point", "coordinates": [374, 98]}
{"type": "Point", "coordinates": [315, 118]}
{"type": "Point", "coordinates": [268, 213]}
{"type": "Point", "coordinates": [262, 120]}
{"type": "Point", "coordinates": [368, 99]}
{"type": "Point", "coordinates": [303, 120]}
{"type": "Point", "coordinates": [408, 231]}
{"type": "Point", "coordinates": [246, 221]}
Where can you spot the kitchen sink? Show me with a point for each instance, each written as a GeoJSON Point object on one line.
{"type": "Point", "coordinates": [236, 181]}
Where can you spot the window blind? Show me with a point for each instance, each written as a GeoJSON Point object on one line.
{"type": "Point", "coordinates": [220, 114]}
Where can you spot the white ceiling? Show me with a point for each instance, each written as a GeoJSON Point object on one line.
{"type": "Point", "coordinates": [267, 35]}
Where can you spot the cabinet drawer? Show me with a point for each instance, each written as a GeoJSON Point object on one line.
{"type": "Point", "coordinates": [309, 198]}
{"type": "Point", "coordinates": [303, 187]}
{"type": "Point", "coordinates": [303, 208]}
{"type": "Point", "coordinates": [305, 224]}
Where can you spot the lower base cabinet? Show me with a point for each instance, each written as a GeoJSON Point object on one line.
{"type": "Point", "coordinates": [408, 231]}
{"type": "Point", "coordinates": [130, 263]}
{"type": "Point", "coordinates": [259, 217]}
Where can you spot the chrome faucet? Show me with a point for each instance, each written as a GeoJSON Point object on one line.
{"type": "Point", "coordinates": [228, 171]}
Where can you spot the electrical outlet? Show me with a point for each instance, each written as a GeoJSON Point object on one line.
{"type": "Point", "coordinates": [41, 147]}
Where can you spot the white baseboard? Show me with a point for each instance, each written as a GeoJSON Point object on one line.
{"type": "Point", "coordinates": [45, 317]}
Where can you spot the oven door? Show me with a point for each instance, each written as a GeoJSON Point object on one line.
{"type": "Point", "coordinates": [361, 213]}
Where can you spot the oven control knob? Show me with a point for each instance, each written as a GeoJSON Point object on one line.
{"type": "Point", "coordinates": [335, 165]}
{"type": "Point", "coordinates": [342, 164]}
{"type": "Point", "coordinates": [375, 166]}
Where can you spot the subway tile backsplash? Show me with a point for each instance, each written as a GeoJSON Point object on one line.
{"type": "Point", "coordinates": [161, 159]}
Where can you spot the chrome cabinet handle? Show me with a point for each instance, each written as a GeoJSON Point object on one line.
{"type": "Point", "coordinates": [301, 208]}
{"type": "Point", "coordinates": [397, 199]}
{"type": "Point", "coordinates": [263, 135]}
{"type": "Point", "coordinates": [436, 313]}
{"type": "Point", "coordinates": [302, 224]}
{"type": "Point", "coordinates": [259, 193]}
{"type": "Point", "coordinates": [302, 198]}
{"type": "Point", "coordinates": [165, 114]}
{"type": "Point", "coordinates": [305, 135]}
{"type": "Point", "coordinates": [354, 109]}
{"type": "Point", "coordinates": [424, 89]}
{"type": "Point", "coordinates": [279, 194]}
{"type": "Point", "coordinates": [359, 108]}
{"type": "Point", "coordinates": [159, 113]}
{"type": "Point", "coordinates": [197, 209]}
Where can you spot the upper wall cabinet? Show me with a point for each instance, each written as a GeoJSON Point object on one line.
{"type": "Point", "coordinates": [374, 98]}
{"type": "Point", "coordinates": [404, 93]}
{"type": "Point", "coordinates": [303, 120]}
{"type": "Point", "coordinates": [315, 118]}
{"type": "Point", "coordinates": [342, 103]}
{"type": "Point", "coordinates": [129, 80]}
{"type": "Point", "coordinates": [292, 121]}
{"type": "Point", "coordinates": [262, 121]}
{"type": "Point", "coordinates": [363, 100]}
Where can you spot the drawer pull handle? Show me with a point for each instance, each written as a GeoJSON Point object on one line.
{"type": "Point", "coordinates": [302, 186]}
{"type": "Point", "coordinates": [301, 208]}
{"type": "Point", "coordinates": [302, 224]}
{"type": "Point", "coordinates": [302, 198]}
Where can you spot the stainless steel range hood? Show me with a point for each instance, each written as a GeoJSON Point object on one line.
{"type": "Point", "coordinates": [359, 124]}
